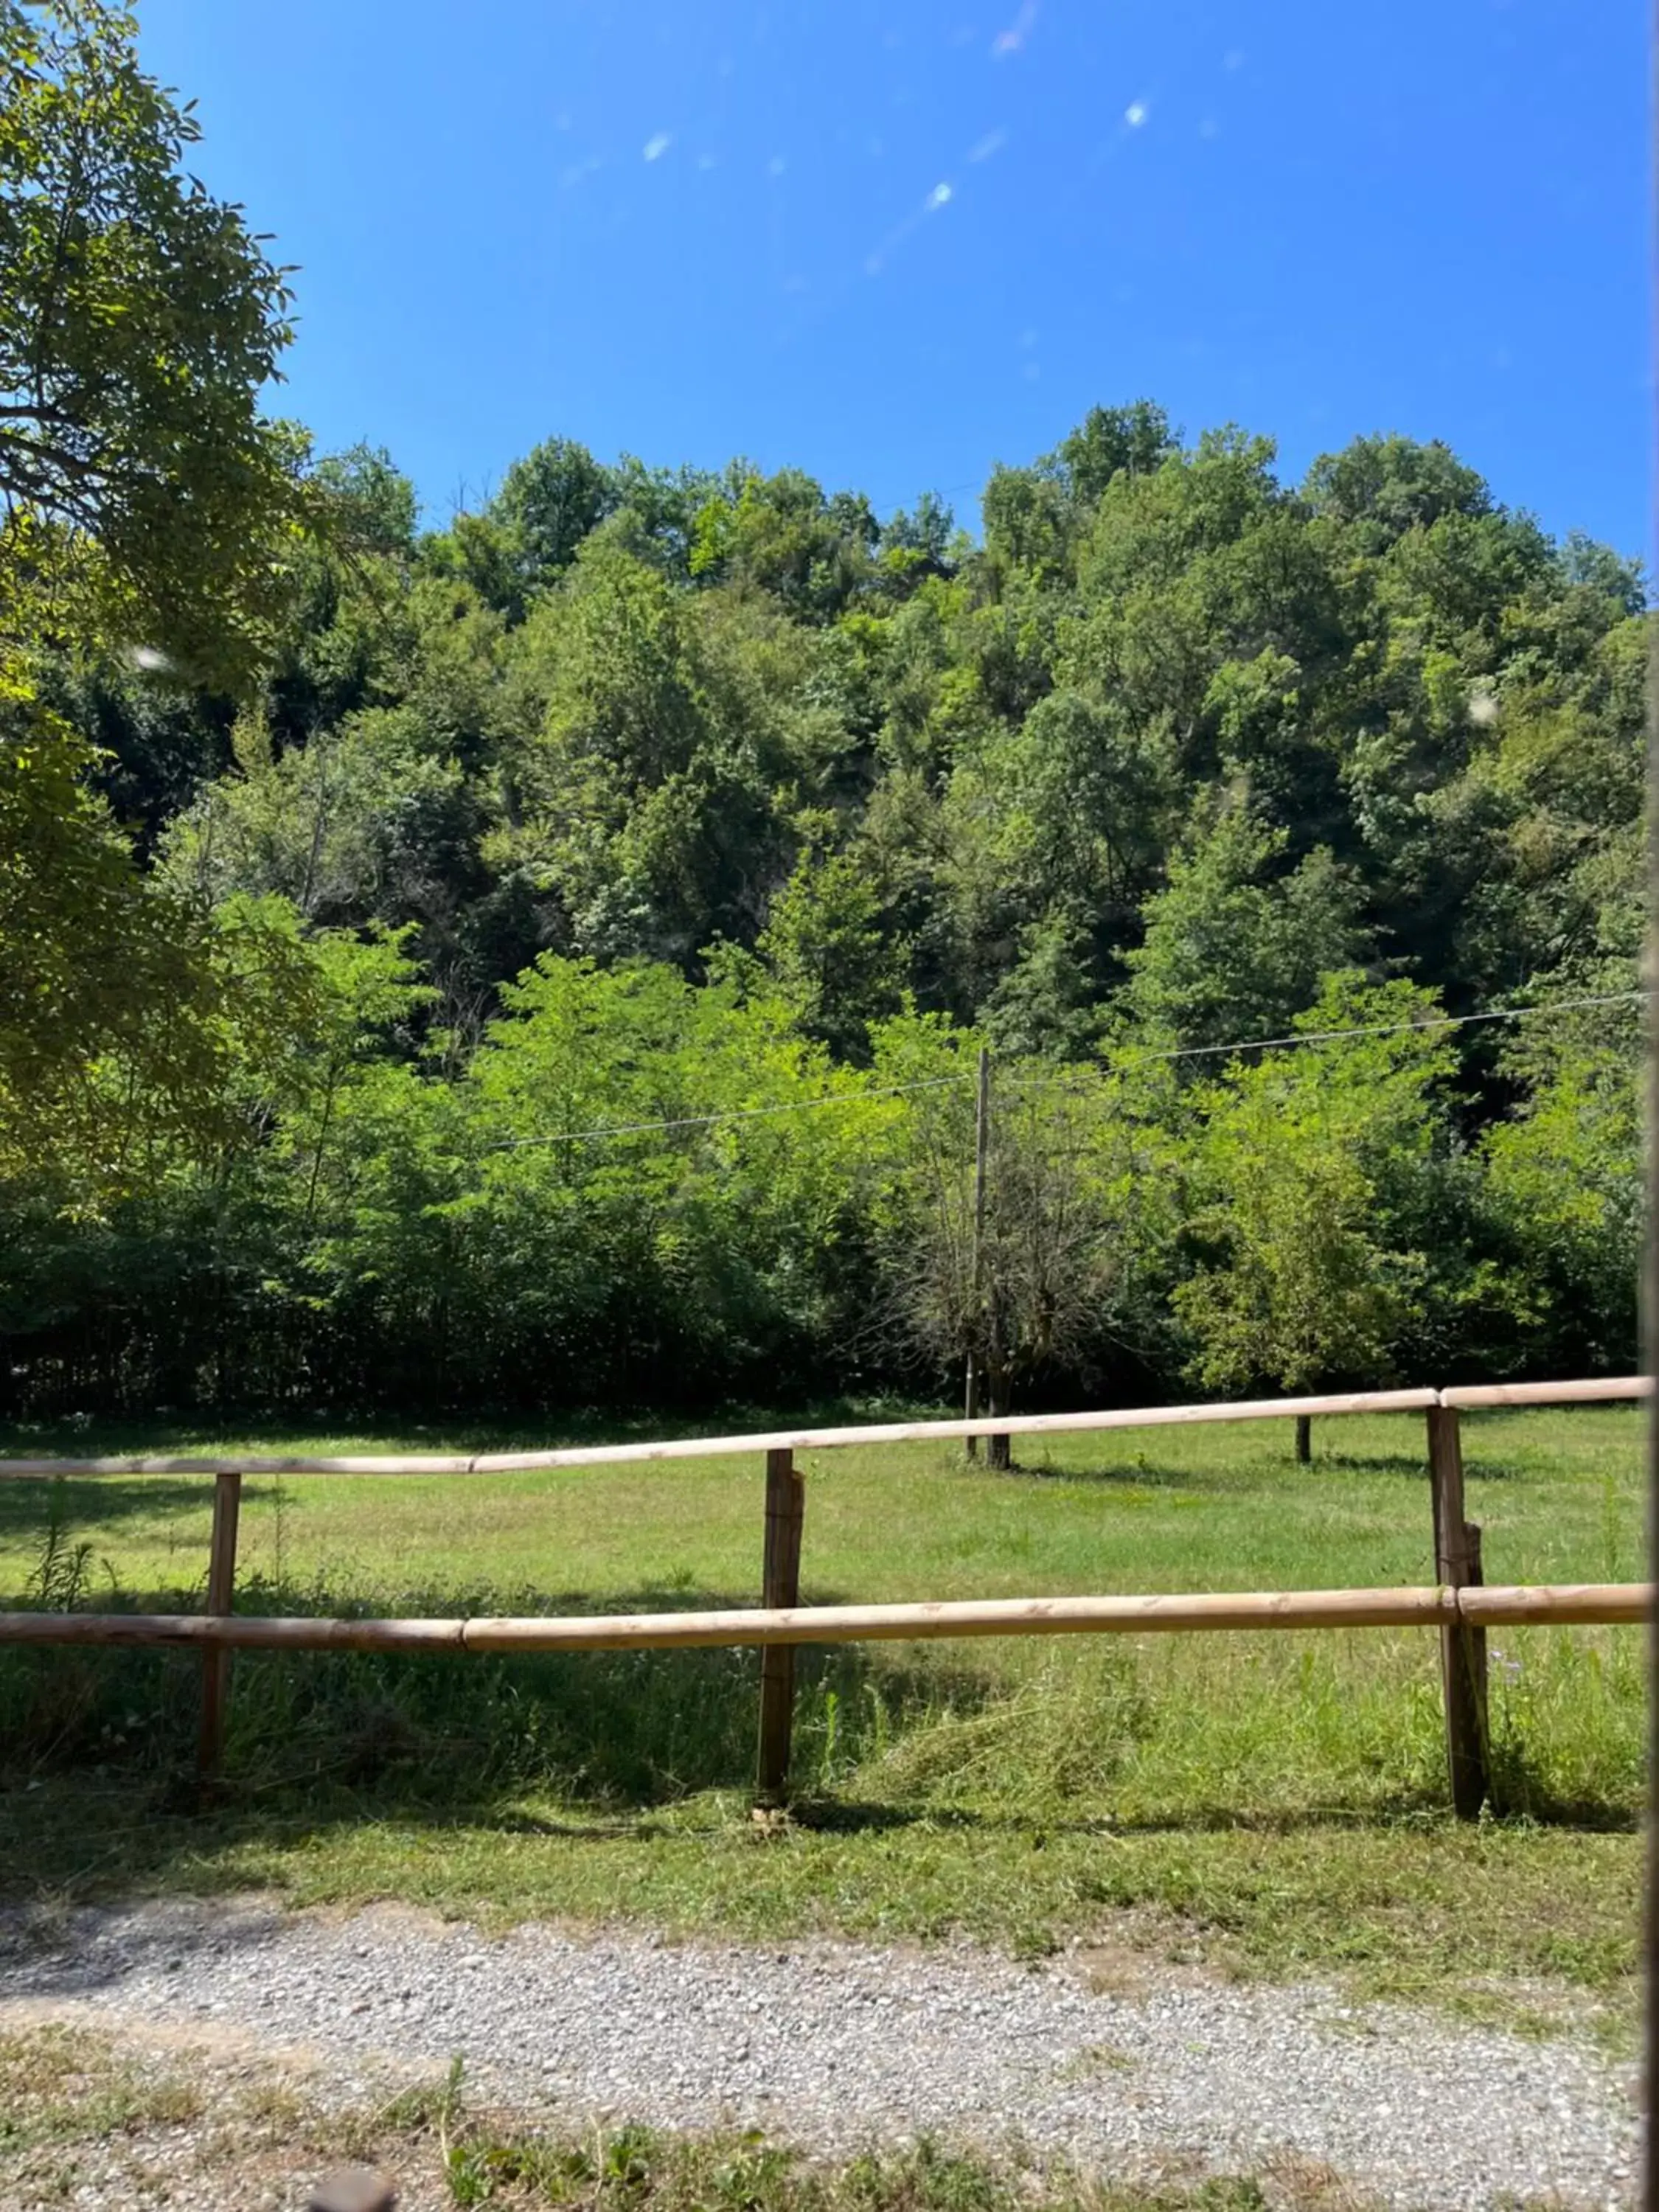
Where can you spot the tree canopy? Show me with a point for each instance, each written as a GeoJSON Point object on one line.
{"type": "Point", "coordinates": [544, 956]}
{"type": "Point", "coordinates": [149, 509]}
{"type": "Point", "coordinates": [140, 319]}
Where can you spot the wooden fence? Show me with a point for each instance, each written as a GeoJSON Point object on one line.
{"type": "Point", "coordinates": [1458, 1605]}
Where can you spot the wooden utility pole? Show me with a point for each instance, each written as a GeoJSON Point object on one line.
{"type": "Point", "coordinates": [981, 1151]}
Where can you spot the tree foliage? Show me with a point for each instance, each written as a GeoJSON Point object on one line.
{"type": "Point", "coordinates": [145, 503]}
{"type": "Point", "coordinates": [544, 957]}
{"type": "Point", "coordinates": [139, 320]}
{"type": "Point", "coordinates": [1315, 1180]}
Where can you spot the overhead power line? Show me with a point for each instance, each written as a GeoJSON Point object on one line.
{"type": "Point", "coordinates": [1391, 1028]}
{"type": "Point", "coordinates": [1287, 1042]}
{"type": "Point", "coordinates": [729, 1114]}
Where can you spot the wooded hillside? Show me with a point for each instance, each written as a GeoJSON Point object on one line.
{"type": "Point", "coordinates": [491, 886]}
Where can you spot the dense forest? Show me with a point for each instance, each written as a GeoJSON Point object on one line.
{"type": "Point", "coordinates": [542, 961]}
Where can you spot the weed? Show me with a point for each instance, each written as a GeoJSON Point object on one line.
{"type": "Point", "coordinates": [58, 1579]}
{"type": "Point", "coordinates": [61, 2085]}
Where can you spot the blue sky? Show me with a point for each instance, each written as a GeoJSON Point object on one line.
{"type": "Point", "coordinates": [893, 244]}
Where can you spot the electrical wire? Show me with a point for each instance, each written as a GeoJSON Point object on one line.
{"type": "Point", "coordinates": [1134, 1053]}
{"type": "Point", "coordinates": [1384, 1028]}
{"type": "Point", "coordinates": [731, 1113]}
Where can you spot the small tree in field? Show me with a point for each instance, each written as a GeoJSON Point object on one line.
{"type": "Point", "coordinates": [1313, 1174]}
{"type": "Point", "coordinates": [1069, 1206]}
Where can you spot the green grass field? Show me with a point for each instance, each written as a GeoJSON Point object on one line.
{"type": "Point", "coordinates": [1274, 1801]}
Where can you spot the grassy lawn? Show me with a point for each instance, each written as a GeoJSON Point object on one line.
{"type": "Point", "coordinates": [1273, 1801]}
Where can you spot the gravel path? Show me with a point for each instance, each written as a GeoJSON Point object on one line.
{"type": "Point", "coordinates": [1122, 2065]}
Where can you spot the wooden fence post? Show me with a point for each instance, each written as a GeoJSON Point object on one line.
{"type": "Point", "coordinates": [786, 1501]}
{"type": "Point", "coordinates": [1462, 1646]}
{"type": "Point", "coordinates": [221, 1599]}
{"type": "Point", "coordinates": [981, 1152]}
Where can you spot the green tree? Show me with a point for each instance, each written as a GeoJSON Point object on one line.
{"type": "Point", "coordinates": [88, 953]}
{"type": "Point", "coordinates": [147, 501]}
{"type": "Point", "coordinates": [550, 501]}
{"type": "Point", "coordinates": [1175, 743]}
{"type": "Point", "coordinates": [780, 534]}
{"type": "Point", "coordinates": [1030, 524]}
{"type": "Point", "coordinates": [373, 504]}
{"type": "Point", "coordinates": [639, 790]}
{"type": "Point", "coordinates": [633, 1209]}
{"type": "Point", "coordinates": [826, 946]}
{"type": "Point", "coordinates": [1232, 951]}
{"type": "Point", "coordinates": [139, 321]}
{"type": "Point", "coordinates": [1313, 1181]}
{"type": "Point", "coordinates": [113, 994]}
{"type": "Point", "coordinates": [1563, 1183]}
{"type": "Point", "coordinates": [1102, 800]}
{"type": "Point", "coordinates": [1390, 485]}
{"type": "Point", "coordinates": [1077, 1201]}
{"type": "Point", "coordinates": [1110, 441]}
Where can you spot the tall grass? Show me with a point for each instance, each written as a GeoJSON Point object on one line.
{"type": "Point", "coordinates": [1121, 1729]}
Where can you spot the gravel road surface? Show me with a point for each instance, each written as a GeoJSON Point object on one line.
{"type": "Point", "coordinates": [1117, 2061]}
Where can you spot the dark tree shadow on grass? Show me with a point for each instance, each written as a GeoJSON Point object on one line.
{"type": "Point", "coordinates": [202, 1435]}
{"type": "Point", "coordinates": [1520, 1791]}
{"type": "Point", "coordinates": [1413, 1466]}
{"type": "Point", "coordinates": [1140, 1473]}
{"type": "Point", "coordinates": [448, 1734]}
{"type": "Point", "coordinates": [82, 1505]}
{"type": "Point", "coordinates": [81, 1838]}
{"type": "Point", "coordinates": [1422, 1811]}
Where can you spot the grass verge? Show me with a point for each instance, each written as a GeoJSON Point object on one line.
{"type": "Point", "coordinates": [83, 2118]}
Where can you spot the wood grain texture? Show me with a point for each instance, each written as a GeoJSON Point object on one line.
{"type": "Point", "coordinates": [1597, 1390]}
{"type": "Point", "coordinates": [1534, 1604]}
{"type": "Point", "coordinates": [786, 1496]}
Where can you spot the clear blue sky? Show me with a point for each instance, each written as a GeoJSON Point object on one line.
{"type": "Point", "coordinates": [893, 243]}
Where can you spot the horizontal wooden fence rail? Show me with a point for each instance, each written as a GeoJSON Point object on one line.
{"type": "Point", "coordinates": [1458, 1605]}
{"type": "Point", "coordinates": [1596, 1391]}
{"type": "Point", "coordinates": [778, 1440]}
{"type": "Point", "coordinates": [1522, 1604]}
